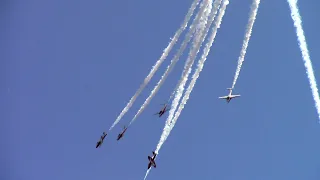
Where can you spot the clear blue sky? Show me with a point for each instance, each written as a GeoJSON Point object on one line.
{"type": "Point", "coordinates": [69, 68]}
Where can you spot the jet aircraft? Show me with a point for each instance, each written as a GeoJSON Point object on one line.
{"type": "Point", "coordinates": [229, 96]}
{"type": "Point", "coordinates": [122, 133]}
{"type": "Point", "coordinates": [151, 160]}
{"type": "Point", "coordinates": [99, 143]}
{"type": "Point", "coordinates": [163, 110]}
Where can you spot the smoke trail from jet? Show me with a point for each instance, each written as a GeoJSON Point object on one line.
{"type": "Point", "coordinates": [192, 55]}
{"type": "Point", "coordinates": [215, 9]}
{"type": "Point", "coordinates": [295, 15]}
{"type": "Point", "coordinates": [175, 59]}
{"type": "Point", "coordinates": [252, 18]}
{"type": "Point", "coordinates": [198, 38]}
{"type": "Point", "coordinates": [200, 63]}
{"type": "Point", "coordinates": [211, 19]}
{"type": "Point", "coordinates": [158, 63]}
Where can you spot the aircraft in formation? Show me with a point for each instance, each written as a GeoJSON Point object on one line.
{"type": "Point", "coordinates": [229, 96]}
{"type": "Point", "coordinates": [160, 113]}
{"type": "Point", "coordinates": [122, 133]}
{"type": "Point", "coordinates": [151, 160]}
{"type": "Point", "coordinates": [163, 110]}
{"type": "Point", "coordinates": [99, 143]}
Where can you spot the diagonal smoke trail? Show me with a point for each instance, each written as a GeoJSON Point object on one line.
{"type": "Point", "coordinates": [200, 64]}
{"type": "Point", "coordinates": [216, 6]}
{"type": "Point", "coordinates": [194, 50]}
{"type": "Point", "coordinates": [159, 62]}
{"type": "Point", "coordinates": [192, 55]}
{"type": "Point", "coordinates": [252, 18]}
{"type": "Point", "coordinates": [199, 38]}
{"type": "Point", "coordinates": [295, 15]}
{"type": "Point", "coordinates": [173, 62]}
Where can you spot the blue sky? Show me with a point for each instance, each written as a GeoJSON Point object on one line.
{"type": "Point", "coordinates": [69, 68]}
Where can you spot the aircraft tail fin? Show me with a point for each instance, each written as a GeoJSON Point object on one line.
{"type": "Point", "coordinates": [164, 104]}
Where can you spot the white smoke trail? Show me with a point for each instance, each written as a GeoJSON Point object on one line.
{"type": "Point", "coordinates": [200, 63]}
{"type": "Point", "coordinates": [192, 55]}
{"type": "Point", "coordinates": [295, 15]}
{"type": "Point", "coordinates": [216, 6]}
{"type": "Point", "coordinates": [187, 70]}
{"type": "Point", "coordinates": [198, 38]}
{"type": "Point", "coordinates": [159, 62]}
{"type": "Point", "coordinates": [252, 18]}
{"type": "Point", "coordinates": [173, 62]}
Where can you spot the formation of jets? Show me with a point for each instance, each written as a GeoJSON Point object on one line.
{"type": "Point", "coordinates": [160, 113]}
{"type": "Point", "coordinates": [151, 159]}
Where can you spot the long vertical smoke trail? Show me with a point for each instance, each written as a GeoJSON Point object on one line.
{"type": "Point", "coordinates": [216, 6]}
{"type": "Point", "coordinates": [198, 38]}
{"type": "Point", "coordinates": [173, 61]}
{"type": "Point", "coordinates": [191, 57]}
{"type": "Point", "coordinates": [184, 78]}
{"type": "Point", "coordinates": [159, 62]}
{"type": "Point", "coordinates": [295, 15]}
{"type": "Point", "coordinates": [187, 69]}
{"type": "Point", "coordinates": [200, 63]}
{"type": "Point", "coordinates": [252, 18]}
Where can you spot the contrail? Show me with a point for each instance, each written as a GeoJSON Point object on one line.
{"type": "Point", "coordinates": [200, 64]}
{"type": "Point", "coordinates": [159, 62]}
{"type": "Point", "coordinates": [252, 18]}
{"type": "Point", "coordinates": [173, 62]}
{"type": "Point", "coordinates": [192, 55]}
{"type": "Point", "coordinates": [295, 15]}
{"type": "Point", "coordinates": [213, 14]}
{"type": "Point", "coordinates": [199, 38]}
{"type": "Point", "coordinates": [187, 69]}
{"type": "Point", "coordinates": [179, 84]}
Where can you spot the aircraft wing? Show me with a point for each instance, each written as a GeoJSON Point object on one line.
{"type": "Point", "coordinates": [233, 96]}
{"type": "Point", "coordinates": [223, 97]}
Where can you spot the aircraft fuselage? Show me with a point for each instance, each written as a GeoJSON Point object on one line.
{"type": "Point", "coordinates": [99, 143]}
{"type": "Point", "coordinates": [151, 160]}
{"type": "Point", "coordinates": [229, 96]}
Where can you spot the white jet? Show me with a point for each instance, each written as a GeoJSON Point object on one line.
{"type": "Point", "coordinates": [230, 96]}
